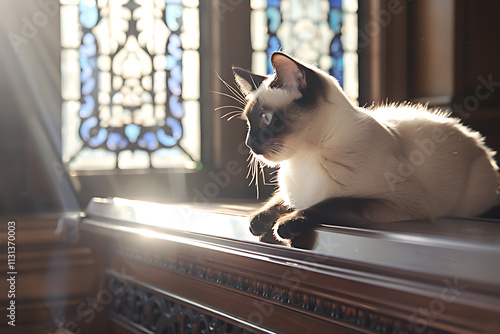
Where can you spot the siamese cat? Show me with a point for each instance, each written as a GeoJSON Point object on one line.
{"type": "Point", "coordinates": [339, 162]}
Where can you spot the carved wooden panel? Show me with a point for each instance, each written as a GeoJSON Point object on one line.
{"type": "Point", "coordinates": [165, 268]}
{"type": "Point", "coordinates": [143, 309]}
{"type": "Point", "coordinates": [329, 308]}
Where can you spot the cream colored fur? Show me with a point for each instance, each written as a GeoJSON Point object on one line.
{"type": "Point", "coordinates": [427, 164]}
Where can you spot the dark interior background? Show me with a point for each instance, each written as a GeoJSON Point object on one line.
{"type": "Point", "coordinates": [430, 51]}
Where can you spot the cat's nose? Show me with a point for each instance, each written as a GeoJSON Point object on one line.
{"type": "Point", "coordinates": [254, 145]}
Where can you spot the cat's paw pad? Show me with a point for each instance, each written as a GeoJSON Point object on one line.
{"type": "Point", "coordinates": [289, 229]}
{"type": "Point", "coordinates": [261, 223]}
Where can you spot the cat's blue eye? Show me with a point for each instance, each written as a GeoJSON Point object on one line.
{"type": "Point", "coordinates": [267, 117]}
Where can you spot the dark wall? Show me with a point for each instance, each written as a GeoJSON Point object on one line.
{"type": "Point", "coordinates": [437, 52]}
{"type": "Point", "coordinates": [454, 51]}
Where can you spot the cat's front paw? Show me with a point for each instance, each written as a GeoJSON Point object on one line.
{"type": "Point", "coordinates": [289, 227]}
{"type": "Point", "coordinates": [262, 222]}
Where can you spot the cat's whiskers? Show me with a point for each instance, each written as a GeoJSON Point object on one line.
{"type": "Point", "coordinates": [254, 168]}
{"type": "Point", "coordinates": [235, 91]}
{"type": "Point", "coordinates": [237, 99]}
{"type": "Point", "coordinates": [274, 180]}
{"type": "Point", "coordinates": [250, 167]}
{"type": "Point", "coordinates": [231, 114]}
{"type": "Point", "coordinates": [222, 107]}
{"type": "Point", "coordinates": [270, 183]}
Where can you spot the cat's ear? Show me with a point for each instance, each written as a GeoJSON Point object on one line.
{"type": "Point", "coordinates": [247, 81]}
{"type": "Point", "coordinates": [290, 74]}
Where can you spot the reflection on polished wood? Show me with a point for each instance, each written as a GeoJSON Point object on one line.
{"type": "Point", "coordinates": [179, 268]}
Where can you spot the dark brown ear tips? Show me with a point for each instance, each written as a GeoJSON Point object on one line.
{"type": "Point", "coordinates": [247, 80]}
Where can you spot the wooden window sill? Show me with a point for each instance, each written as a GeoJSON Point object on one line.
{"type": "Point", "coordinates": [397, 277]}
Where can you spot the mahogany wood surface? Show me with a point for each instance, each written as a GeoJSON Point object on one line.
{"type": "Point", "coordinates": [184, 269]}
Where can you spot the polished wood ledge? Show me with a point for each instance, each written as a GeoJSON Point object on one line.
{"type": "Point", "coordinates": [198, 269]}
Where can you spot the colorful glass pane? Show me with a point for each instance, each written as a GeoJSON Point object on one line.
{"type": "Point", "coordinates": [130, 83]}
{"type": "Point", "coordinates": [320, 32]}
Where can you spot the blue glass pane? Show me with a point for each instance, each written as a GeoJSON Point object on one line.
{"type": "Point", "coordinates": [339, 75]}
{"type": "Point", "coordinates": [132, 131]}
{"type": "Point", "coordinates": [116, 141]}
{"type": "Point", "coordinates": [336, 48]}
{"type": "Point", "coordinates": [176, 127]}
{"type": "Point", "coordinates": [274, 45]}
{"type": "Point", "coordinates": [274, 16]}
{"type": "Point", "coordinates": [99, 139]}
{"type": "Point", "coordinates": [88, 86]}
{"type": "Point", "coordinates": [174, 47]}
{"type": "Point", "coordinates": [87, 106]}
{"type": "Point", "coordinates": [274, 3]}
{"type": "Point", "coordinates": [336, 20]}
{"type": "Point", "coordinates": [176, 108]}
{"type": "Point", "coordinates": [88, 47]}
{"type": "Point", "coordinates": [337, 4]}
{"type": "Point", "coordinates": [88, 133]}
{"type": "Point", "coordinates": [174, 82]}
{"type": "Point", "coordinates": [149, 141]}
{"type": "Point", "coordinates": [88, 13]}
{"type": "Point", "coordinates": [165, 139]}
{"type": "Point", "coordinates": [86, 126]}
{"type": "Point", "coordinates": [171, 62]}
{"type": "Point", "coordinates": [173, 17]}
{"type": "Point", "coordinates": [338, 69]}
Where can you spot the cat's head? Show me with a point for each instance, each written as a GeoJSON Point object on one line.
{"type": "Point", "coordinates": [281, 109]}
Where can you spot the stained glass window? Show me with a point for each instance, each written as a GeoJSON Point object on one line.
{"type": "Point", "coordinates": [130, 83]}
{"type": "Point", "coordinates": [320, 32]}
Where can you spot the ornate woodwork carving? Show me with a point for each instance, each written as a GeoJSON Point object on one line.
{"type": "Point", "coordinates": [329, 308]}
{"type": "Point", "coordinates": [162, 315]}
